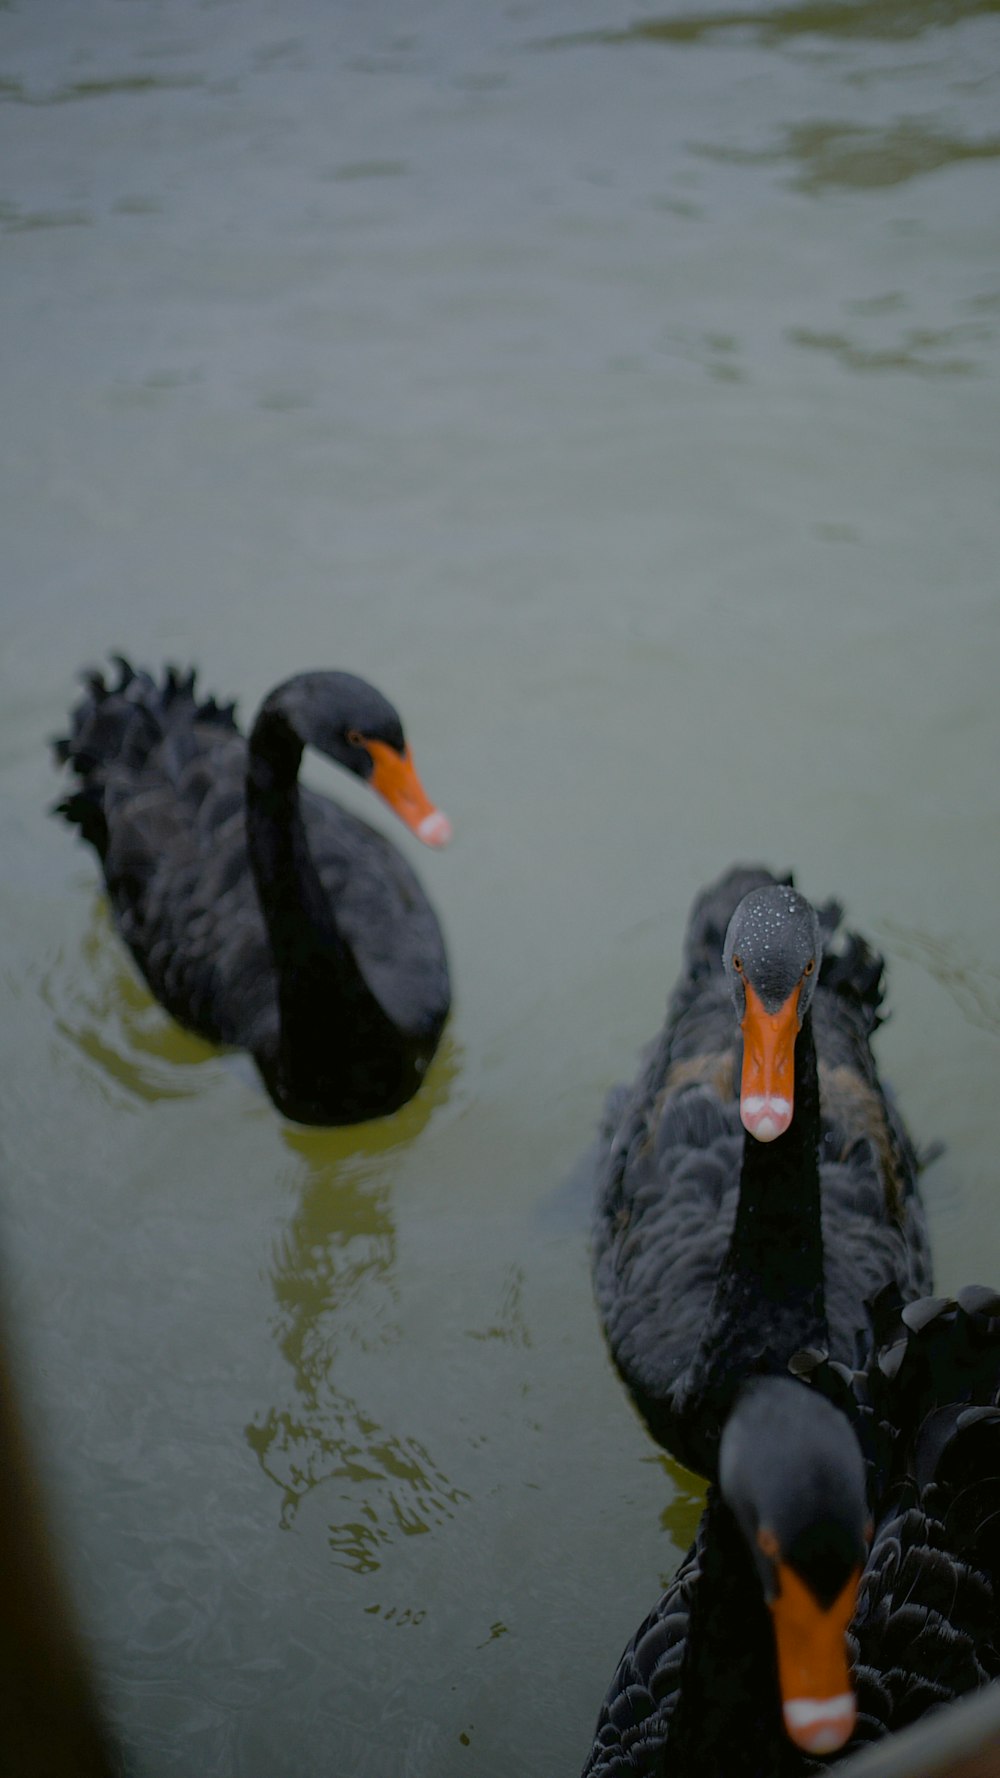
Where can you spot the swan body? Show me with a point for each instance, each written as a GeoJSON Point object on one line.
{"type": "Point", "coordinates": [718, 1253]}
{"type": "Point", "coordinates": [703, 1689]}
{"type": "Point", "coordinates": [261, 914]}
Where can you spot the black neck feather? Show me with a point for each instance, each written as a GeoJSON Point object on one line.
{"type": "Point", "coordinates": [769, 1298]}
{"type": "Point", "coordinates": [335, 1038]}
{"type": "Point", "coordinates": [727, 1720]}
{"type": "Point", "coordinates": [289, 890]}
{"type": "Point", "coordinates": [774, 1265]}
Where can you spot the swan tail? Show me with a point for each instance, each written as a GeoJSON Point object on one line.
{"type": "Point", "coordinates": [116, 726]}
{"type": "Point", "coordinates": [852, 969]}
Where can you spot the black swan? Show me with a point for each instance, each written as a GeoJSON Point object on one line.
{"type": "Point", "coordinates": [717, 1252]}
{"type": "Point", "coordinates": [261, 914]}
{"type": "Point", "coordinates": [782, 1637]}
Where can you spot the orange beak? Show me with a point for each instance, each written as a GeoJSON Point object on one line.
{"type": "Point", "coordinates": [768, 1083]}
{"type": "Point", "coordinates": [817, 1697]}
{"type": "Point", "coordinates": [395, 779]}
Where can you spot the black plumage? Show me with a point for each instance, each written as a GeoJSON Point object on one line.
{"type": "Point", "coordinates": [696, 1690]}
{"type": "Point", "coordinates": [716, 1255]}
{"type": "Point", "coordinates": [261, 914]}
{"type": "Point", "coordinates": [927, 1628]}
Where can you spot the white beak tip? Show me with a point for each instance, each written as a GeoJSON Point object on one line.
{"type": "Point", "coordinates": [820, 1725]}
{"type": "Point", "coordinates": [434, 829]}
{"type": "Point", "coordinates": [765, 1118]}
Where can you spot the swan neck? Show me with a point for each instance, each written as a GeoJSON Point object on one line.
{"type": "Point", "coordinates": [274, 751]}
{"type": "Point", "coordinates": [336, 1054]}
{"type": "Point", "coordinates": [288, 886]}
{"type": "Point", "coordinates": [769, 1298]}
{"type": "Point", "coordinates": [309, 950]}
{"type": "Point", "coordinates": [728, 1676]}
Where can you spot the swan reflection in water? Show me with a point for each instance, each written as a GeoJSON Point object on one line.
{"type": "Point", "coordinates": [335, 1293]}
{"type": "Point", "coordinates": [333, 1265]}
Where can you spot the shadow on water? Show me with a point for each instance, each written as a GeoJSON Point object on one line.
{"type": "Point", "coordinates": [888, 20]}
{"type": "Point", "coordinates": [333, 1277]}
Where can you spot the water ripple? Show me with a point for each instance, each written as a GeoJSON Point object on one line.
{"type": "Point", "coordinates": [914, 353]}
{"type": "Point", "coordinates": [15, 92]}
{"type": "Point", "coordinates": [886, 20]}
{"type": "Point", "coordinates": [973, 985]}
{"type": "Point", "coordinates": [852, 157]}
{"type": "Point", "coordinates": [334, 1282]}
{"type": "Point", "coordinates": [107, 1012]}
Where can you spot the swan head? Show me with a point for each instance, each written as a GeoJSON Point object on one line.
{"type": "Point", "coordinates": [354, 724]}
{"type": "Point", "coordinates": [771, 956]}
{"type": "Point", "coordinates": [792, 1474]}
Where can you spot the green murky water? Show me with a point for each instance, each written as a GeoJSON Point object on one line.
{"type": "Point", "coordinates": [617, 389]}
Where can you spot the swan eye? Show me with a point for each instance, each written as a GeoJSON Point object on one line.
{"type": "Point", "coordinates": [355, 737]}
{"type": "Point", "coordinates": [810, 966]}
{"type": "Point", "coordinates": [737, 963]}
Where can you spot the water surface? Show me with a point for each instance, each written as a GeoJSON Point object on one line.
{"type": "Point", "coordinates": [617, 389]}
